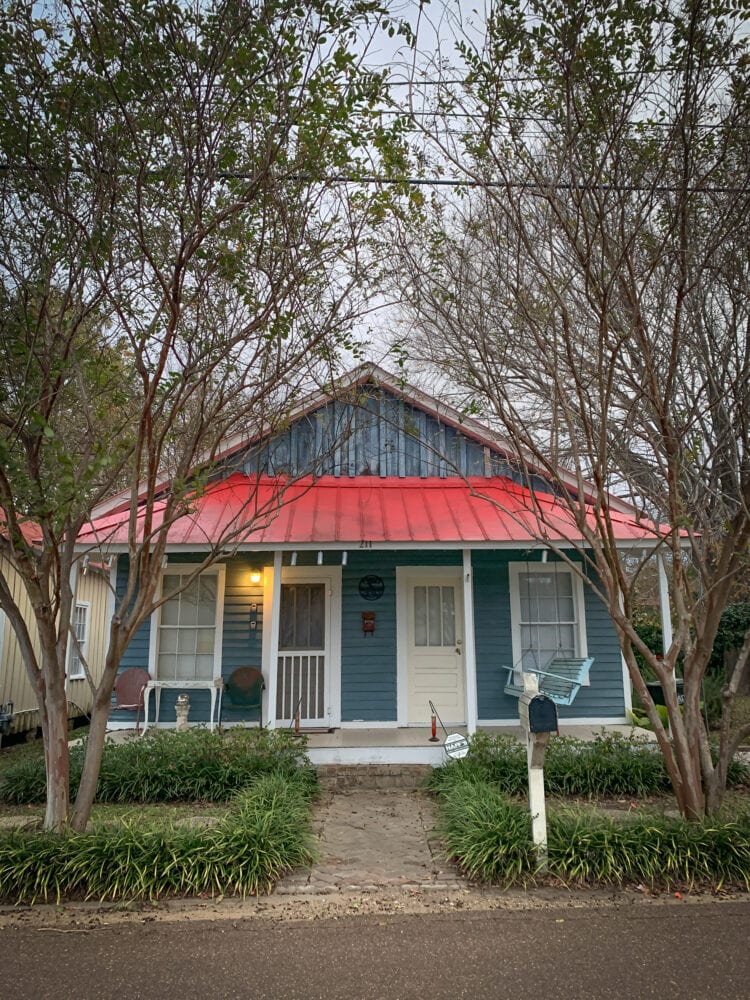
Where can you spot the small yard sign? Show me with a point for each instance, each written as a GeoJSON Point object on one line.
{"type": "Point", "coordinates": [456, 745]}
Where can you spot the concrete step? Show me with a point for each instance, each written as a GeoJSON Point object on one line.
{"type": "Point", "coordinates": [403, 776]}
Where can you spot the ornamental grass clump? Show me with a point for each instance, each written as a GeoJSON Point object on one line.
{"type": "Point", "coordinates": [657, 851]}
{"type": "Point", "coordinates": [489, 837]}
{"type": "Point", "coordinates": [486, 833]}
{"type": "Point", "coordinates": [169, 767]}
{"type": "Point", "coordinates": [266, 833]}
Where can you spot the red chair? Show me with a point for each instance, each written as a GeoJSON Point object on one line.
{"type": "Point", "coordinates": [130, 685]}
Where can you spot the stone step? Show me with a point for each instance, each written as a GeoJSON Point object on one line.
{"type": "Point", "coordinates": [341, 776]}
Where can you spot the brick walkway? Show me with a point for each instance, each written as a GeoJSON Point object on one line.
{"type": "Point", "coordinates": [371, 838]}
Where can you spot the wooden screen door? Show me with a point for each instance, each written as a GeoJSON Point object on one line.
{"type": "Point", "coordinates": [304, 651]}
{"type": "Point", "coordinates": [435, 637]}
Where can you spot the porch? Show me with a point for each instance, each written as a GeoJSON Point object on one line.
{"type": "Point", "coordinates": [413, 746]}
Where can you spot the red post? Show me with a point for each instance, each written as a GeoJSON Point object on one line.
{"type": "Point", "coordinates": [433, 738]}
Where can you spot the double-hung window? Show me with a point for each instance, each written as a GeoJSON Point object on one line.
{"type": "Point", "coordinates": [189, 633]}
{"type": "Point", "coordinates": [77, 647]}
{"type": "Point", "coordinates": [547, 614]}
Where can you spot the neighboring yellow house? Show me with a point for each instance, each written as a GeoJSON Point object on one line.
{"type": "Point", "coordinates": [90, 618]}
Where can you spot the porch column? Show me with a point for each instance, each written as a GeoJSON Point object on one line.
{"type": "Point", "coordinates": [665, 612]}
{"type": "Point", "coordinates": [273, 665]}
{"type": "Point", "coordinates": [470, 666]}
{"type": "Point", "coordinates": [74, 593]}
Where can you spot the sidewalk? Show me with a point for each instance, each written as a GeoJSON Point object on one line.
{"type": "Point", "coordinates": [372, 839]}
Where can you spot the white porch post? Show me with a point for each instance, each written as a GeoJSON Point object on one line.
{"type": "Point", "coordinates": [74, 592]}
{"type": "Point", "coordinates": [665, 612]}
{"type": "Point", "coordinates": [470, 666]}
{"type": "Point", "coordinates": [273, 668]}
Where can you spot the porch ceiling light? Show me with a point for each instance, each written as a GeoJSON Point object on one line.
{"type": "Point", "coordinates": [255, 576]}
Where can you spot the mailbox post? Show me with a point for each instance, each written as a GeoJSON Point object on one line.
{"type": "Point", "coordinates": [538, 715]}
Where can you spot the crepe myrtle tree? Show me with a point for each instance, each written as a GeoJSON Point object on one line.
{"type": "Point", "coordinates": [589, 291]}
{"type": "Point", "coordinates": [177, 262]}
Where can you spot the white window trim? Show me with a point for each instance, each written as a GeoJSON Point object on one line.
{"type": "Point", "coordinates": [220, 571]}
{"type": "Point", "coordinates": [514, 571]}
{"type": "Point", "coordinates": [72, 648]}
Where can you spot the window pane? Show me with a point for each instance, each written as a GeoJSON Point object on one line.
{"type": "Point", "coordinates": [287, 617]}
{"type": "Point", "coordinates": [317, 615]}
{"type": "Point", "coordinates": [189, 604]}
{"type": "Point", "coordinates": [206, 613]}
{"type": "Point", "coordinates": [434, 629]}
{"type": "Point", "coordinates": [185, 668]}
{"type": "Point", "coordinates": [168, 640]}
{"type": "Point", "coordinates": [166, 666]}
{"type": "Point", "coordinates": [186, 640]}
{"type": "Point", "coordinates": [565, 610]}
{"type": "Point", "coordinates": [204, 667]}
{"type": "Point", "coordinates": [449, 616]}
{"type": "Point", "coordinates": [204, 640]}
{"type": "Point", "coordinates": [170, 612]}
{"type": "Point", "coordinates": [420, 616]}
{"type": "Point", "coordinates": [566, 640]}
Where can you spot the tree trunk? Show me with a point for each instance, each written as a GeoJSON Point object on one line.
{"type": "Point", "coordinates": [92, 762]}
{"type": "Point", "coordinates": [54, 712]}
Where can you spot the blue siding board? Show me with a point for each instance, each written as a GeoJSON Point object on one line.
{"type": "Point", "coordinates": [493, 636]}
{"type": "Point", "coordinates": [368, 662]}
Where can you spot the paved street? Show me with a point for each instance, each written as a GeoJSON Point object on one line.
{"type": "Point", "coordinates": [688, 951]}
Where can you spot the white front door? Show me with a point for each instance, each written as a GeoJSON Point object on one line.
{"type": "Point", "coordinates": [434, 639]}
{"type": "Point", "coordinates": [304, 667]}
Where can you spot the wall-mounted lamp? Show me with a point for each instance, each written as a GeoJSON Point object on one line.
{"type": "Point", "coordinates": [255, 576]}
{"type": "Point", "coordinates": [320, 558]}
{"type": "Point", "coordinates": [343, 558]}
{"type": "Point", "coordinates": [293, 560]}
{"type": "Point", "coordinates": [85, 565]}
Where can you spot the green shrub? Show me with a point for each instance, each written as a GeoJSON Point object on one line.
{"type": "Point", "coordinates": [24, 781]}
{"type": "Point", "coordinates": [489, 836]}
{"type": "Point", "coordinates": [266, 833]}
{"type": "Point", "coordinates": [500, 760]}
{"type": "Point", "coordinates": [609, 765]}
{"type": "Point", "coordinates": [654, 850]}
{"type": "Point", "coordinates": [167, 766]}
{"type": "Point", "coordinates": [486, 832]}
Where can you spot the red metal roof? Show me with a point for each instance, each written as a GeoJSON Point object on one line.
{"type": "Point", "coordinates": [349, 511]}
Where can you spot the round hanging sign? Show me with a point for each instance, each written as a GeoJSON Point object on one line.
{"type": "Point", "coordinates": [371, 588]}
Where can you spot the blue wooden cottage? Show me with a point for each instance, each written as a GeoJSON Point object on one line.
{"type": "Point", "coordinates": [400, 576]}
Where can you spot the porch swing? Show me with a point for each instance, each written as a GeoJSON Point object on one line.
{"type": "Point", "coordinates": [562, 677]}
